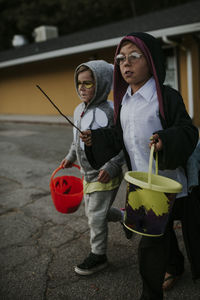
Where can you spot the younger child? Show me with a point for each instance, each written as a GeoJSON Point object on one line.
{"type": "Point", "coordinates": [93, 82]}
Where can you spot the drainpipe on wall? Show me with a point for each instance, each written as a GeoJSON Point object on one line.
{"type": "Point", "coordinates": [190, 85]}
{"type": "Point", "coordinates": [167, 41]}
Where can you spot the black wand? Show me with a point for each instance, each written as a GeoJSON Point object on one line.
{"type": "Point", "coordinates": [58, 108]}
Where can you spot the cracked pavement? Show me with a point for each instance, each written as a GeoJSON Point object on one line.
{"type": "Point", "coordinates": [39, 246]}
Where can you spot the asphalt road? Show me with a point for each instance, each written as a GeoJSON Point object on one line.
{"type": "Point", "coordinates": [39, 246]}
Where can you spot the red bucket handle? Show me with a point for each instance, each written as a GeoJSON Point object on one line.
{"type": "Point", "coordinates": [59, 168]}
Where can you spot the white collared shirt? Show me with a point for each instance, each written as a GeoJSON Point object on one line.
{"type": "Point", "coordinates": [139, 119]}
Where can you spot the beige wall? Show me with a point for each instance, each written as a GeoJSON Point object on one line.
{"type": "Point", "coordinates": [19, 94]}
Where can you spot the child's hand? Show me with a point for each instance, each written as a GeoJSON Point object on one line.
{"type": "Point", "coordinates": [157, 142]}
{"type": "Point", "coordinates": [66, 163]}
{"type": "Point", "coordinates": [103, 177]}
{"type": "Point", "coordinates": [86, 137]}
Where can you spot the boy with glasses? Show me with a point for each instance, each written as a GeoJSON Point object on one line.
{"type": "Point", "coordinates": [145, 107]}
{"type": "Point", "coordinates": [93, 81]}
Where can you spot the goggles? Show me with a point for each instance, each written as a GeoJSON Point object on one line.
{"type": "Point", "coordinates": [85, 84]}
{"type": "Point", "coordinates": [132, 58]}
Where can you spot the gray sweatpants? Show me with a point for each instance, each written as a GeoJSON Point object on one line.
{"type": "Point", "coordinates": [99, 212]}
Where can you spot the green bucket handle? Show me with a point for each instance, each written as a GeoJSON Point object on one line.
{"type": "Point", "coordinates": [150, 165]}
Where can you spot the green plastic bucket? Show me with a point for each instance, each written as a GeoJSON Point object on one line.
{"type": "Point", "coordinates": [150, 198]}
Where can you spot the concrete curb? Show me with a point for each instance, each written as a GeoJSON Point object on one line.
{"type": "Point", "coordinates": [35, 119]}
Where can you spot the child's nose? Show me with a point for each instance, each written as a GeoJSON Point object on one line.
{"type": "Point", "coordinates": [127, 61]}
{"type": "Point", "coordinates": [81, 86]}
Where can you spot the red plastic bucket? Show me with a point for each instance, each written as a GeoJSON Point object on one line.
{"type": "Point", "coordinates": [66, 192]}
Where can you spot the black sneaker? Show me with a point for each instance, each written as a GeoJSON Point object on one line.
{"type": "Point", "coordinates": [92, 264]}
{"type": "Point", "coordinates": [128, 233]}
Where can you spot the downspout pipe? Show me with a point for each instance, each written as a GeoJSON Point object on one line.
{"type": "Point", "coordinates": [190, 83]}
{"type": "Point", "coordinates": [168, 41]}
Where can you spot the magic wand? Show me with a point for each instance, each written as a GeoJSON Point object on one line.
{"type": "Point", "coordinates": [58, 108]}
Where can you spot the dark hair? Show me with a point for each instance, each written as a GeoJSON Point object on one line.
{"type": "Point", "coordinates": [84, 68]}
{"type": "Point", "coordinates": [124, 43]}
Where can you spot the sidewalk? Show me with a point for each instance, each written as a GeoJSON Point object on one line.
{"type": "Point", "coordinates": [39, 247]}
{"type": "Point", "coordinates": [34, 119]}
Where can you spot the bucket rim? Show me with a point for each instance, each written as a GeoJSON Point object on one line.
{"type": "Point", "coordinates": [61, 168]}
{"type": "Point", "coordinates": [142, 233]}
{"type": "Point", "coordinates": [150, 186]}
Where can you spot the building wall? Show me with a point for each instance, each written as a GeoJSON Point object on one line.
{"type": "Point", "coordinates": [19, 94]}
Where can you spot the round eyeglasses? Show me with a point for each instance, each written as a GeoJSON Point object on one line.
{"type": "Point", "coordinates": [132, 58]}
{"type": "Point", "coordinates": [85, 84]}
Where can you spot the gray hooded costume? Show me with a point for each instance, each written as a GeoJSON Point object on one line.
{"type": "Point", "coordinates": [98, 196]}
{"type": "Point", "coordinates": [98, 113]}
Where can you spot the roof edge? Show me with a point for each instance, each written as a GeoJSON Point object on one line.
{"type": "Point", "coordinates": [170, 31]}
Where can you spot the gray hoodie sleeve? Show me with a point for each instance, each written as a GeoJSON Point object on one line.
{"type": "Point", "coordinates": [71, 156]}
{"type": "Point", "coordinates": [114, 166]}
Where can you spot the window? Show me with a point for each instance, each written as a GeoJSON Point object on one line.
{"type": "Point", "coordinates": [171, 68]}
